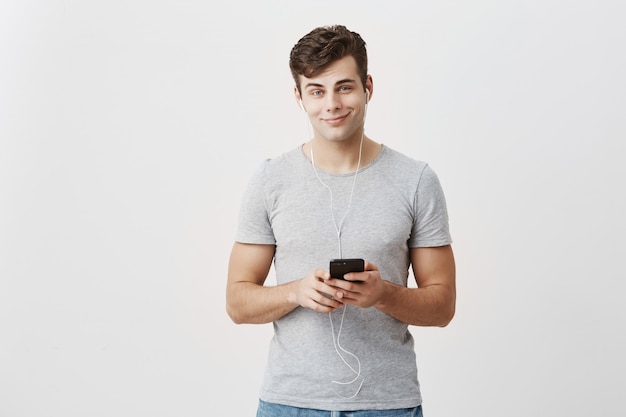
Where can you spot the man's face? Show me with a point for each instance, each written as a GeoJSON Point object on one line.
{"type": "Point", "coordinates": [335, 101]}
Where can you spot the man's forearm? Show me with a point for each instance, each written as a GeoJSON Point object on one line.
{"type": "Point", "coordinates": [430, 306]}
{"type": "Point", "coordinates": [251, 303]}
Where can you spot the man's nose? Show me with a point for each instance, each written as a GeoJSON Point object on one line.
{"type": "Point", "coordinates": [333, 102]}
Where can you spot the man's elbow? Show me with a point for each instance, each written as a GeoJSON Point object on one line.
{"type": "Point", "coordinates": [234, 313]}
{"type": "Point", "coordinates": [447, 314]}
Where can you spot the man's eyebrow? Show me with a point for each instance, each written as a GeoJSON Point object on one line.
{"type": "Point", "coordinates": [340, 82]}
{"type": "Point", "coordinates": [345, 81]}
{"type": "Point", "coordinates": [316, 85]}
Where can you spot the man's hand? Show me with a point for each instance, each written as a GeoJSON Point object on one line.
{"type": "Point", "coordinates": [315, 293]}
{"type": "Point", "coordinates": [362, 289]}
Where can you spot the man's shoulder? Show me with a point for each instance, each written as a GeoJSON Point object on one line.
{"type": "Point", "coordinates": [278, 169]}
{"type": "Point", "coordinates": [280, 162]}
{"type": "Point", "coordinates": [401, 161]}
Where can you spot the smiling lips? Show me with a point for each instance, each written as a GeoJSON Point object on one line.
{"type": "Point", "coordinates": [336, 120]}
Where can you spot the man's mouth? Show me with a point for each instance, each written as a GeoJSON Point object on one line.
{"type": "Point", "coordinates": [335, 120]}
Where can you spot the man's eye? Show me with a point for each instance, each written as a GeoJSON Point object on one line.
{"type": "Point", "coordinates": [344, 88]}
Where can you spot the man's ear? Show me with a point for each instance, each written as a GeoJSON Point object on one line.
{"type": "Point", "coordinates": [296, 93]}
{"type": "Point", "coordinates": [369, 87]}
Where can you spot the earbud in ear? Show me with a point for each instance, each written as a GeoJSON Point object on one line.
{"type": "Point", "coordinates": [301, 105]}
{"type": "Point", "coordinates": [367, 95]}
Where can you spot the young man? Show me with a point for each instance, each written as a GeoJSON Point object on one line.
{"type": "Point", "coordinates": [341, 344]}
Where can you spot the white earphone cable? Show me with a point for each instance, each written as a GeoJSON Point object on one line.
{"type": "Point", "coordinates": [332, 213]}
{"type": "Point", "coordinates": [338, 228]}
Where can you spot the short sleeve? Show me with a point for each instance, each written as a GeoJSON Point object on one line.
{"type": "Point", "coordinates": [254, 224]}
{"type": "Point", "coordinates": [430, 227]}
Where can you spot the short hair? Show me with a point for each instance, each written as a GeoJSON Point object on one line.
{"type": "Point", "coordinates": [324, 45]}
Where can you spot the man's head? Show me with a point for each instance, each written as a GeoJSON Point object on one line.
{"type": "Point", "coordinates": [323, 46]}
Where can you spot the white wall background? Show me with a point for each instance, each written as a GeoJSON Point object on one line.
{"type": "Point", "coordinates": [128, 130]}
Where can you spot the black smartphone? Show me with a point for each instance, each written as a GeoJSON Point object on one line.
{"type": "Point", "coordinates": [340, 267]}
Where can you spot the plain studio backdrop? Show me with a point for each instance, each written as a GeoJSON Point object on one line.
{"type": "Point", "coordinates": [128, 130]}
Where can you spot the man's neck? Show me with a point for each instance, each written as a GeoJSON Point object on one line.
{"type": "Point", "coordinates": [341, 157]}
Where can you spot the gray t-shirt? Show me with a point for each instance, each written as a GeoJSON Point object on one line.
{"type": "Point", "coordinates": [397, 204]}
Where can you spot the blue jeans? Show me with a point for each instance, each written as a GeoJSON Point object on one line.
{"type": "Point", "coordinates": [278, 410]}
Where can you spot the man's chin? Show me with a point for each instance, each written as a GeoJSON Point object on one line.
{"type": "Point", "coordinates": [336, 137]}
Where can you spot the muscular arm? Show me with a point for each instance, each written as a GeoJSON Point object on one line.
{"type": "Point", "coordinates": [431, 304]}
{"type": "Point", "coordinates": [249, 301]}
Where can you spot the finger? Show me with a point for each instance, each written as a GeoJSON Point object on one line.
{"type": "Point", "coordinates": [370, 266]}
{"type": "Point", "coordinates": [326, 300]}
{"type": "Point", "coordinates": [347, 296]}
{"type": "Point", "coordinates": [356, 277]}
{"type": "Point", "coordinates": [321, 274]}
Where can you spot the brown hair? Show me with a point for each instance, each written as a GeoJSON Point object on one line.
{"type": "Point", "coordinates": [324, 45]}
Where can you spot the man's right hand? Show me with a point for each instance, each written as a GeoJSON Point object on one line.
{"type": "Point", "coordinates": [313, 292]}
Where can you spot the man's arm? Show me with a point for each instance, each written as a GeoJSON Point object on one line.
{"type": "Point", "coordinates": [249, 301]}
{"type": "Point", "coordinates": [431, 304]}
